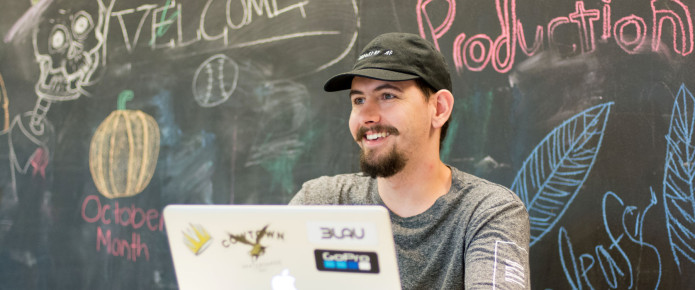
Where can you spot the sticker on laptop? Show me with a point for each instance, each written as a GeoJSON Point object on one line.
{"type": "Point", "coordinates": [196, 239]}
{"type": "Point", "coordinates": [255, 241]}
{"type": "Point", "coordinates": [346, 261]}
{"type": "Point", "coordinates": [353, 233]}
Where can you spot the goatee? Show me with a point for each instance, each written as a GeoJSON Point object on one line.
{"type": "Point", "coordinates": [386, 166]}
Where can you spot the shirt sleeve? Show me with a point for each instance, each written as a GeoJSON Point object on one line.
{"type": "Point", "coordinates": [497, 246]}
{"type": "Point", "coordinates": [299, 197]}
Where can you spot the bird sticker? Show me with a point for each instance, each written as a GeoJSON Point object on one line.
{"type": "Point", "coordinates": [257, 249]}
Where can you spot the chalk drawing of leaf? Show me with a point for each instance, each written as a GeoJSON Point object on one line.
{"type": "Point", "coordinates": [679, 172]}
{"type": "Point", "coordinates": [552, 175]}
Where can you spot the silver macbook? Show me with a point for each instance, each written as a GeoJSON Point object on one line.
{"type": "Point", "coordinates": [281, 247]}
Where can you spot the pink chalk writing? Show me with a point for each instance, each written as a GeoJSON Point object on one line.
{"type": "Point", "coordinates": [122, 248]}
{"type": "Point", "coordinates": [39, 160]}
{"type": "Point", "coordinates": [127, 216]}
{"type": "Point", "coordinates": [606, 20]}
{"type": "Point", "coordinates": [681, 21]}
{"type": "Point", "coordinates": [630, 46]}
{"type": "Point", "coordinates": [113, 213]}
{"type": "Point", "coordinates": [585, 20]}
{"type": "Point", "coordinates": [476, 52]}
{"type": "Point", "coordinates": [441, 29]}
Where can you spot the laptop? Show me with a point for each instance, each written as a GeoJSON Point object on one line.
{"type": "Point", "coordinates": [281, 247]}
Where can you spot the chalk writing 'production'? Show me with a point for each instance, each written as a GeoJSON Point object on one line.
{"type": "Point", "coordinates": [476, 52]}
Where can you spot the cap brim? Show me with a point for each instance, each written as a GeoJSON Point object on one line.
{"type": "Point", "coordinates": [344, 81]}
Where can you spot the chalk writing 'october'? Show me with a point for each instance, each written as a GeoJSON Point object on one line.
{"type": "Point", "coordinates": [135, 217]}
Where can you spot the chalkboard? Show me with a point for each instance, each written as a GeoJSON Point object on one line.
{"type": "Point", "coordinates": [112, 109]}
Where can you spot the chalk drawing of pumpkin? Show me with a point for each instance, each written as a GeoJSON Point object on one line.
{"type": "Point", "coordinates": [124, 150]}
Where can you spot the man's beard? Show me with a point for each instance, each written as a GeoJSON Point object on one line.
{"type": "Point", "coordinates": [385, 166]}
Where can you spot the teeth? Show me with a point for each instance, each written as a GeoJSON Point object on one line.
{"type": "Point", "coordinates": [375, 136]}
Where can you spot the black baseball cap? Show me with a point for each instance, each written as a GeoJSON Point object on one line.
{"type": "Point", "coordinates": [396, 57]}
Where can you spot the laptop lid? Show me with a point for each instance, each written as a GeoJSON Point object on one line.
{"type": "Point", "coordinates": [281, 247]}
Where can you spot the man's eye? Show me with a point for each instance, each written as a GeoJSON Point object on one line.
{"type": "Point", "coordinates": [388, 96]}
{"type": "Point", "coordinates": [358, 101]}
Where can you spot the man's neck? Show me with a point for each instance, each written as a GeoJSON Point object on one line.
{"type": "Point", "coordinates": [415, 189]}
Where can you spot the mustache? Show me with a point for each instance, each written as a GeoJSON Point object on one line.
{"type": "Point", "coordinates": [362, 131]}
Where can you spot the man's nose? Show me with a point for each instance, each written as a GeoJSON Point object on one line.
{"type": "Point", "coordinates": [370, 113]}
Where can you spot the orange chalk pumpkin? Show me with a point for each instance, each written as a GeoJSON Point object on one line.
{"type": "Point", "coordinates": [124, 150]}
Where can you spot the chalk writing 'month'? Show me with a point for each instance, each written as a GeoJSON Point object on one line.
{"type": "Point", "coordinates": [122, 248]}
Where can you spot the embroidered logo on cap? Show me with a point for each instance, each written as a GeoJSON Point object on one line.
{"type": "Point", "coordinates": [375, 53]}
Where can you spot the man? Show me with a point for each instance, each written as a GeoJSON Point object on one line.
{"type": "Point", "coordinates": [452, 230]}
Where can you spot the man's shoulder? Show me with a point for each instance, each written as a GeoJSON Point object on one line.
{"type": "Point", "coordinates": [336, 189]}
{"type": "Point", "coordinates": [340, 179]}
{"type": "Point", "coordinates": [483, 190]}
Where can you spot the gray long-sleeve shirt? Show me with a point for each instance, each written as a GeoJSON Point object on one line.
{"type": "Point", "coordinates": [476, 236]}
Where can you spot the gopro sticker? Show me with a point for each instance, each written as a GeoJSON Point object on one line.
{"type": "Point", "coordinates": [346, 261]}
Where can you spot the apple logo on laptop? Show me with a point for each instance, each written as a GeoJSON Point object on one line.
{"type": "Point", "coordinates": [283, 281]}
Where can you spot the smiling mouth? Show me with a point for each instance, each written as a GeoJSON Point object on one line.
{"type": "Point", "coordinates": [375, 133]}
{"type": "Point", "coordinates": [375, 136]}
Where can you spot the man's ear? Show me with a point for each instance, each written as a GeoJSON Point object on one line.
{"type": "Point", "coordinates": [444, 104]}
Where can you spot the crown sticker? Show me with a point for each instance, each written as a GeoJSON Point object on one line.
{"type": "Point", "coordinates": [197, 239]}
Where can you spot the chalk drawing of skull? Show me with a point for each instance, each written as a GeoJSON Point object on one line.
{"type": "Point", "coordinates": [67, 47]}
